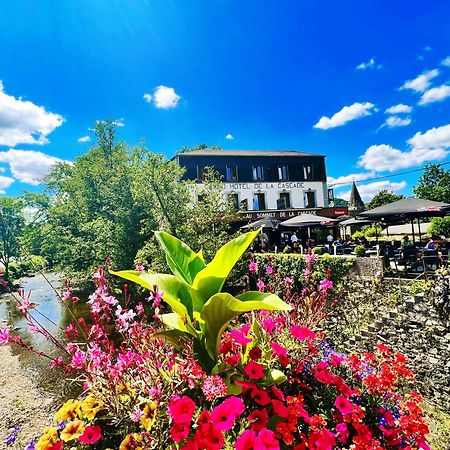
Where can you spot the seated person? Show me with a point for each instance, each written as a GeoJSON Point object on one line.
{"type": "Point", "coordinates": [338, 243]}
{"type": "Point", "coordinates": [406, 242]}
{"type": "Point", "coordinates": [433, 243]}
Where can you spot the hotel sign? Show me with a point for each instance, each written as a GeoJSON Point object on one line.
{"type": "Point", "coordinates": [284, 214]}
{"type": "Point", "coordinates": [258, 186]}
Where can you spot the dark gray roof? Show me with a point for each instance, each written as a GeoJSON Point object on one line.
{"type": "Point", "coordinates": [407, 208]}
{"type": "Point", "coordinates": [355, 201]}
{"type": "Point", "coordinates": [222, 152]}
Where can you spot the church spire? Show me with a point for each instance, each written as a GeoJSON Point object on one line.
{"type": "Point", "coordinates": [355, 202]}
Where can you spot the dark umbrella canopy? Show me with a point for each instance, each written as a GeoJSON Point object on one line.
{"type": "Point", "coordinates": [265, 222]}
{"type": "Point", "coordinates": [307, 220]}
{"type": "Point", "coordinates": [355, 221]}
{"type": "Point", "coordinates": [407, 208]}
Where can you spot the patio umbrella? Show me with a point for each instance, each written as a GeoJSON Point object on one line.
{"type": "Point", "coordinates": [355, 221]}
{"type": "Point", "coordinates": [308, 220]}
{"type": "Point", "coordinates": [407, 208]}
{"type": "Point", "coordinates": [265, 222]}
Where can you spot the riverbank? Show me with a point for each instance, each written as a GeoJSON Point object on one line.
{"type": "Point", "coordinates": [22, 402]}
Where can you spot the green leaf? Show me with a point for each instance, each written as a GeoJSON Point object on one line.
{"type": "Point", "coordinates": [175, 337]}
{"type": "Point", "coordinates": [275, 377]}
{"type": "Point", "coordinates": [182, 260]}
{"type": "Point", "coordinates": [210, 280]}
{"type": "Point", "coordinates": [222, 308]}
{"type": "Point", "coordinates": [176, 322]}
{"type": "Point", "coordinates": [175, 293]}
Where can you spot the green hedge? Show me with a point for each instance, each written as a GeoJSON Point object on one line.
{"type": "Point", "coordinates": [292, 265]}
{"type": "Point", "coordinates": [27, 267]}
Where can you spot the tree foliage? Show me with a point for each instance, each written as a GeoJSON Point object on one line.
{"type": "Point", "coordinates": [383, 198]}
{"type": "Point", "coordinates": [434, 184]}
{"type": "Point", "coordinates": [11, 226]}
{"type": "Point", "coordinates": [440, 226]}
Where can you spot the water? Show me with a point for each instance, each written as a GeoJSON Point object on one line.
{"type": "Point", "coordinates": [54, 317]}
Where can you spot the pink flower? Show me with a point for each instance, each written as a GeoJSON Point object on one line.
{"type": "Point", "coordinates": [4, 336]}
{"type": "Point", "coordinates": [91, 435]}
{"type": "Point", "coordinates": [246, 441]}
{"type": "Point", "coordinates": [302, 333]}
{"type": "Point", "coordinates": [140, 267]}
{"type": "Point", "coordinates": [344, 405]}
{"type": "Point", "coordinates": [342, 432]}
{"type": "Point", "coordinates": [278, 349]}
{"type": "Point", "coordinates": [136, 415]}
{"type": "Point", "coordinates": [288, 280]}
{"type": "Point", "coordinates": [56, 362]}
{"type": "Point", "coordinates": [240, 336]}
{"type": "Point", "coordinates": [181, 409]}
{"type": "Point", "coordinates": [78, 359]}
{"type": "Point", "coordinates": [269, 270]}
{"type": "Point", "coordinates": [254, 370]}
{"type": "Point", "coordinates": [214, 387]}
{"type": "Point", "coordinates": [252, 267]}
{"type": "Point", "coordinates": [224, 415]}
{"type": "Point", "coordinates": [325, 285]}
{"type": "Point", "coordinates": [24, 304]}
{"type": "Point", "coordinates": [311, 258]}
{"type": "Point", "coordinates": [265, 440]}
{"type": "Point", "coordinates": [260, 285]}
{"type": "Point", "coordinates": [268, 325]}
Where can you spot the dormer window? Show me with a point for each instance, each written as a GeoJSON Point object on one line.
{"type": "Point", "coordinates": [283, 174]}
{"type": "Point", "coordinates": [258, 173]}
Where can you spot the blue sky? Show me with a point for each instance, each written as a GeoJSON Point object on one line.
{"type": "Point", "coordinates": [269, 74]}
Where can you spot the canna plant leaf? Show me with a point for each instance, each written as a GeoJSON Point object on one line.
{"type": "Point", "coordinates": [210, 280]}
{"type": "Point", "coordinates": [222, 308]}
{"type": "Point", "coordinates": [182, 260]}
{"type": "Point", "coordinates": [175, 293]}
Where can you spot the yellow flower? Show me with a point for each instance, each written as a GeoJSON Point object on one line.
{"type": "Point", "coordinates": [68, 411]}
{"type": "Point", "coordinates": [48, 438]}
{"type": "Point", "coordinates": [90, 407]}
{"type": "Point", "coordinates": [72, 430]}
{"type": "Point", "coordinates": [148, 416]}
{"type": "Point", "coordinates": [131, 441]}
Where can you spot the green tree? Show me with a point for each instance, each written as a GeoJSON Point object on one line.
{"type": "Point", "coordinates": [383, 198]}
{"type": "Point", "coordinates": [94, 213]}
{"type": "Point", "coordinates": [440, 226]}
{"type": "Point", "coordinates": [434, 184]}
{"type": "Point", "coordinates": [11, 227]}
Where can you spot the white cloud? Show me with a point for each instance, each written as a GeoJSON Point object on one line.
{"type": "Point", "coordinates": [436, 94]}
{"type": "Point", "coordinates": [5, 183]}
{"type": "Point", "coordinates": [396, 121]}
{"type": "Point", "coordinates": [446, 61]}
{"type": "Point", "coordinates": [84, 139]}
{"type": "Point", "coordinates": [23, 122]}
{"type": "Point", "coordinates": [349, 179]}
{"type": "Point", "coordinates": [147, 98]}
{"type": "Point", "coordinates": [28, 166]}
{"type": "Point", "coordinates": [367, 191]}
{"type": "Point", "coordinates": [346, 114]}
{"type": "Point", "coordinates": [398, 109]}
{"type": "Point", "coordinates": [230, 137]}
{"type": "Point", "coordinates": [422, 82]}
{"type": "Point", "coordinates": [165, 97]}
{"type": "Point", "coordinates": [119, 122]}
{"type": "Point", "coordinates": [435, 138]}
{"type": "Point", "coordinates": [368, 65]}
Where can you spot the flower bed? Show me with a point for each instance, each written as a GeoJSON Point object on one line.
{"type": "Point", "coordinates": [222, 371]}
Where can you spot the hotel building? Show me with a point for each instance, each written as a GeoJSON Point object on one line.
{"type": "Point", "coordinates": [280, 184]}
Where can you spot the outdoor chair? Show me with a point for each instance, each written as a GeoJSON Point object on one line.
{"type": "Point", "coordinates": [431, 260]}
{"type": "Point", "coordinates": [407, 256]}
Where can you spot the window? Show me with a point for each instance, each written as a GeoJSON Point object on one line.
{"type": "Point", "coordinates": [310, 199]}
{"type": "Point", "coordinates": [200, 197]}
{"type": "Point", "coordinates": [200, 173]}
{"type": "Point", "coordinates": [284, 202]}
{"type": "Point", "coordinates": [308, 172]}
{"type": "Point", "coordinates": [259, 202]}
{"type": "Point", "coordinates": [283, 174]}
{"type": "Point", "coordinates": [232, 173]}
{"type": "Point", "coordinates": [244, 205]}
{"type": "Point", "coordinates": [258, 173]}
{"type": "Point", "coordinates": [233, 200]}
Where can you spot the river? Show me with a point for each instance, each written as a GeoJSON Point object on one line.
{"type": "Point", "coordinates": [44, 291]}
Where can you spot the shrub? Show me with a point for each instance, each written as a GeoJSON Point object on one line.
{"type": "Point", "coordinates": [360, 250]}
{"type": "Point", "coordinates": [317, 251]}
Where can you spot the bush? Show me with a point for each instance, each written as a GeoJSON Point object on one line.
{"type": "Point", "coordinates": [357, 235]}
{"type": "Point", "coordinates": [360, 250]}
{"type": "Point", "coordinates": [317, 251]}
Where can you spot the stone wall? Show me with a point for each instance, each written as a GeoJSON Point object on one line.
{"type": "Point", "coordinates": [416, 329]}
{"type": "Point", "coordinates": [367, 267]}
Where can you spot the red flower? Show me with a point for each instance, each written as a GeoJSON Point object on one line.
{"type": "Point", "coordinates": [254, 370]}
{"type": "Point", "coordinates": [179, 431]}
{"type": "Point", "coordinates": [302, 333]}
{"type": "Point", "coordinates": [279, 409]}
{"type": "Point", "coordinates": [342, 432]}
{"type": "Point", "coordinates": [344, 405]}
{"type": "Point", "coordinates": [255, 353]}
{"type": "Point", "coordinates": [181, 409]}
{"type": "Point", "coordinates": [91, 435]}
{"type": "Point", "coordinates": [260, 396]}
{"type": "Point", "coordinates": [258, 419]}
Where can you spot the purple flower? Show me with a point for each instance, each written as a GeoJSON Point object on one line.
{"type": "Point", "coordinates": [12, 436]}
{"type": "Point", "coordinates": [325, 285]}
{"type": "Point", "coordinates": [253, 267]}
{"type": "Point", "coordinates": [4, 336]}
{"type": "Point", "coordinates": [269, 270]}
{"type": "Point", "coordinates": [31, 446]}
